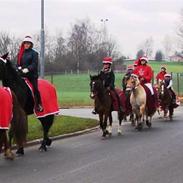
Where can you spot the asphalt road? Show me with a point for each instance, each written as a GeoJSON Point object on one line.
{"type": "Point", "coordinates": [151, 156]}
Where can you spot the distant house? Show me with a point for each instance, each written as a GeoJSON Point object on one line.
{"type": "Point", "coordinates": [176, 58]}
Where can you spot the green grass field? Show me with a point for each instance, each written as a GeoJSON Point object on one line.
{"type": "Point", "coordinates": [61, 125]}
{"type": "Point", "coordinates": [74, 90]}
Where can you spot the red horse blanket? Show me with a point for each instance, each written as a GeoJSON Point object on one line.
{"type": "Point", "coordinates": [121, 98]}
{"type": "Point", "coordinates": [48, 97]}
{"type": "Point", "coordinates": [6, 107]}
{"type": "Point", "coordinates": [151, 100]}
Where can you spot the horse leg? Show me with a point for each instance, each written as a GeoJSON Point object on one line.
{"type": "Point", "coordinates": [1, 140]}
{"type": "Point", "coordinates": [7, 150]}
{"type": "Point", "coordinates": [46, 124]}
{"type": "Point", "coordinates": [132, 119]}
{"type": "Point", "coordinates": [120, 118]}
{"type": "Point", "coordinates": [105, 132]}
{"type": "Point", "coordinates": [110, 125]}
{"type": "Point", "coordinates": [171, 110]}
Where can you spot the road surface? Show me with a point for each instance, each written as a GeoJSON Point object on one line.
{"type": "Point", "coordinates": [151, 156]}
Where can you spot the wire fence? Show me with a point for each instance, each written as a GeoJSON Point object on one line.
{"type": "Point", "coordinates": [55, 76]}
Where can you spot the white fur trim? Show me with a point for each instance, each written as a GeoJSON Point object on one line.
{"type": "Point", "coordinates": [28, 39]}
{"type": "Point", "coordinates": [4, 60]}
{"type": "Point", "coordinates": [106, 62]}
{"type": "Point", "coordinates": [144, 58]}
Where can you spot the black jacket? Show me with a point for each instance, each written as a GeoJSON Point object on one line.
{"type": "Point", "coordinates": [124, 80]}
{"type": "Point", "coordinates": [30, 61]}
{"type": "Point", "coordinates": [108, 78]}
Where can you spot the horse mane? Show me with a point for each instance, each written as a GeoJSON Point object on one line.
{"type": "Point", "coordinates": [13, 75]}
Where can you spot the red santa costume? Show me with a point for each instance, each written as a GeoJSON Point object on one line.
{"type": "Point", "coordinates": [145, 73]}
{"type": "Point", "coordinates": [161, 74]}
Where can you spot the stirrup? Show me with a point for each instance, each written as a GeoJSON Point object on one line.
{"type": "Point", "coordinates": [39, 108]}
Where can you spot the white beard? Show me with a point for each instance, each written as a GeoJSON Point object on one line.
{"type": "Point", "coordinates": [1, 83]}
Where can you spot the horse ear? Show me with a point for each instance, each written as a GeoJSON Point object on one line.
{"type": "Point", "coordinates": [5, 55]}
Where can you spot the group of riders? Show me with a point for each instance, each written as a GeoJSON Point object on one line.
{"type": "Point", "coordinates": [144, 72]}
{"type": "Point", "coordinates": [27, 66]}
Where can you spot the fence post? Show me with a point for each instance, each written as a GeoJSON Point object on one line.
{"type": "Point", "coordinates": [51, 78]}
{"type": "Point", "coordinates": [178, 84]}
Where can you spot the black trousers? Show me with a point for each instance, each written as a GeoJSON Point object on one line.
{"type": "Point", "coordinates": [34, 82]}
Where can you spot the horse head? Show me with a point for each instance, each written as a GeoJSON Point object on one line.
{"type": "Point", "coordinates": [96, 85]}
{"type": "Point", "coordinates": [3, 61]}
{"type": "Point", "coordinates": [133, 82]}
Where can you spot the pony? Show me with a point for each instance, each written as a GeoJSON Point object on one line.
{"type": "Point", "coordinates": [165, 99]}
{"type": "Point", "coordinates": [138, 100]}
{"type": "Point", "coordinates": [103, 105]}
{"type": "Point", "coordinates": [18, 128]}
{"type": "Point", "coordinates": [11, 78]}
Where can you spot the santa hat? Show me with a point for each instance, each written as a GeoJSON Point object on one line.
{"type": "Point", "coordinates": [28, 39]}
{"type": "Point", "coordinates": [107, 60]}
{"type": "Point", "coordinates": [144, 58]}
{"type": "Point", "coordinates": [135, 63]}
{"type": "Point", "coordinates": [130, 67]}
{"type": "Point", "coordinates": [167, 75]}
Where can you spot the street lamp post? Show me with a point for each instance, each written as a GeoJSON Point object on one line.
{"type": "Point", "coordinates": [104, 28]}
{"type": "Point", "coordinates": [42, 41]}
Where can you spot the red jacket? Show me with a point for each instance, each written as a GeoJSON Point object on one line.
{"type": "Point", "coordinates": [160, 75]}
{"type": "Point", "coordinates": [144, 71]}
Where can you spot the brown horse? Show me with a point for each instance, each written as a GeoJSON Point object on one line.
{"type": "Point", "coordinates": [165, 100]}
{"type": "Point", "coordinates": [103, 105]}
{"type": "Point", "coordinates": [18, 129]}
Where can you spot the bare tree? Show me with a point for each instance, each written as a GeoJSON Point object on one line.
{"type": "Point", "coordinates": [168, 46]}
{"type": "Point", "coordinates": [180, 30]}
{"type": "Point", "coordinates": [147, 46]}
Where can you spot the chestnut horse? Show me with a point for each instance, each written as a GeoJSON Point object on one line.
{"type": "Point", "coordinates": [18, 129]}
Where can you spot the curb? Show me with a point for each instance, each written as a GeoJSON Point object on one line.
{"type": "Point", "coordinates": [59, 137]}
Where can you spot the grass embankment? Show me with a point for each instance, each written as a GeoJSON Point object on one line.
{"type": "Point", "coordinates": [74, 90]}
{"type": "Point", "coordinates": [62, 125]}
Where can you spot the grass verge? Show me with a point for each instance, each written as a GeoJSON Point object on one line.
{"type": "Point", "coordinates": [62, 125]}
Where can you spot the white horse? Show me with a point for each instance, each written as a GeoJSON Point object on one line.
{"type": "Point", "coordinates": [137, 100]}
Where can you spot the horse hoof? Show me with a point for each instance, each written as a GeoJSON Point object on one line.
{"type": "Point", "coordinates": [119, 133]}
{"type": "Point", "coordinates": [20, 152]}
{"type": "Point", "coordinates": [148, 124]}
{"type": "Point", "coordinates": [42, 148]}
{"type": "Point", "coordinates": [9, 155]}
{"type": "Point", "coordinates": [139, 127]}
{"type": "Point", "coordinates": [48, 142]}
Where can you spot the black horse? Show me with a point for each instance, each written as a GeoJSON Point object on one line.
{"type": "Point", "coordinates": [165, 99]}
{"type": "Point", "coordinates": [103, 105]}
{"type": "Point", "coordinates": [11, 78]}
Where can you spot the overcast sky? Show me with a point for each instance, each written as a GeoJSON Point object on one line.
{"type": "Point", "coordinates": [130, 21]}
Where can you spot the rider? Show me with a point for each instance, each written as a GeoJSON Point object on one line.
{"type": "Point", "coordinates": [129, 71]}
{"type": "Point", "coordinates": [27, 64]}
{"type": "Point", "coordinates": [169, 84]}
{"type": "Point", "coordinates": [161, 74]}
{"type": "Point", "coordinates": [108, 77]}
{"type": "Point", "coordinates": [145, 74]}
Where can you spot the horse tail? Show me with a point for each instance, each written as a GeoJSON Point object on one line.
{"type": "Point", "coordinates": [19, 123]}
